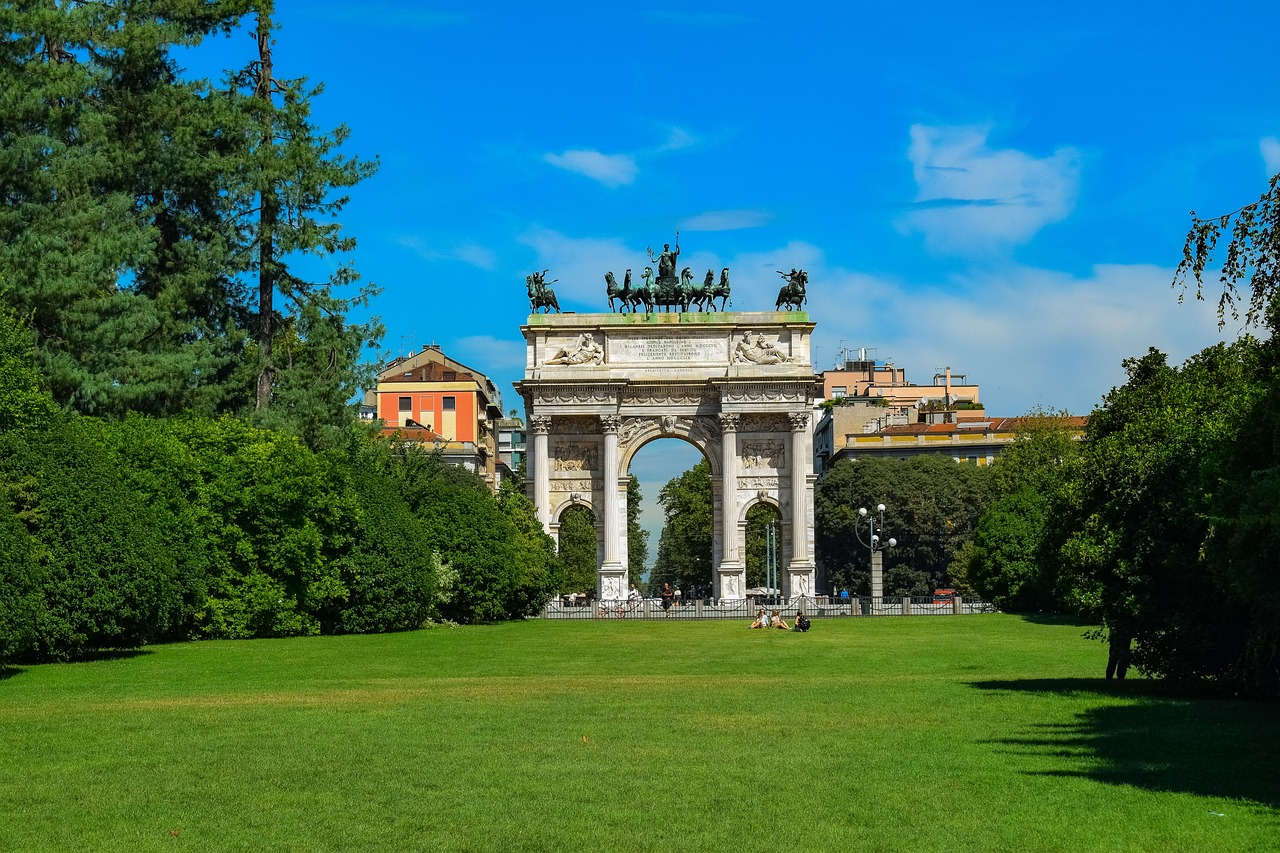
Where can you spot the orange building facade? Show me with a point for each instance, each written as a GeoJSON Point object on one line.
{"type": "Point", "coordinates": [430, 398]}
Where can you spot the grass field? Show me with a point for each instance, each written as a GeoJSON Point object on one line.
{"type": "Point", "coordinates": [980, 732]}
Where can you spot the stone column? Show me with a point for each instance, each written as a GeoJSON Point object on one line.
{"type": "Point", "coordinates": [729, 488]}
{"type": "Point", "coordinates": [610, 424]}
{"type": "Point", "coordinates": [612, 572]}
{"type": "Point", "coordinates": [541, 469]}
{"type": "Point", "coordinates": [802, 569]}
{"type": "Point", "coordinates": [799, 488]}
{"type": "Point", "coordinates": [733, 573]}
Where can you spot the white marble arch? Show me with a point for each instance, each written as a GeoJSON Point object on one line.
{"type": "Point", "coordinates": [738, 386]}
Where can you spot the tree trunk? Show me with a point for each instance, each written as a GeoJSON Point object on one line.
{"type": "Point", "coordinates": [269, 211]}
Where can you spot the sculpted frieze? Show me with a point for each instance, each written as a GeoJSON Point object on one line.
{"type": "Point", "coordinates": [632, 428]}
{"type": "Point", "coordinates": [575, 425]}
{"type": "Point", "coordinates": [770, 483]}
{"type": "Point", "coordinates": [706, 431]}
{"type": "Point", "coordinates": [582, 350]}
{"type": "Point", "coordinates": [576, 456]}
{"type": "Point", "coordinates": [762, 453]}
{"type": "Point", "coordinates": [763, 423]}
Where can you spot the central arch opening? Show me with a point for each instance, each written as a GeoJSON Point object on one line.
{"type": "Point", "coordinates": [676, 509]}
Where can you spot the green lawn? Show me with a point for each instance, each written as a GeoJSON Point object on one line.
{"type": "Point", "coordinates": [930, 733]}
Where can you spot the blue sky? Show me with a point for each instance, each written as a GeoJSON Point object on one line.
{"type": "Point", "coordinates": [1002, 188]}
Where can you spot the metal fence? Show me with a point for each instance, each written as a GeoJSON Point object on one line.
{"type": "Point", "coordinates": [815, 607]}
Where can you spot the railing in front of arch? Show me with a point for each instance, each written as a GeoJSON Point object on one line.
{"type": "Point", "coordinates": [815, 607]}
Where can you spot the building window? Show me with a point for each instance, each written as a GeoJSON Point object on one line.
{"type": "Point", "coordinates": [406, 404]}
{"type": "Point", "coordinates": [448, 404]}
{"type": "Point", "coordinates": [839, 391]}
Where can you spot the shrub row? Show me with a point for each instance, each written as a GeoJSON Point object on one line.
{"type": "Point", "coordinates": [114, 535]}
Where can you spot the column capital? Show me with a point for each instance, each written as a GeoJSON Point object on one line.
{"type": "Point", "coordinates": [610, 424]}
{"type": "Point", "coordinates": [799, 421]}
{"type": "Point", "coordinates": [729, 421]}
{"type": "Point", "coordinates": [541, 424]}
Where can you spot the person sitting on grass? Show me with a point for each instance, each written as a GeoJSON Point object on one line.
{"type": "Point", "coordinates": [802, 622]}
{"type": "Point", "coordinates": [777, 621]}
{"type": "Point", "coordinates": [762, 620]}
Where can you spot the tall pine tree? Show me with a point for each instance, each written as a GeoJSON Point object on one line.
{"type": "Point", "coordinates": [286, 205]}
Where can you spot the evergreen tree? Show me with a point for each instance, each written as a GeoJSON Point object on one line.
{"type": "Point", "coordinates": [285, 205]}
{"type": "Point", "coordinates": [112, 237]}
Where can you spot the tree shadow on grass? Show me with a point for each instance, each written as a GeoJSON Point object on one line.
{"type": "Point", "coordinates": [94, 656]}
{"type": "Point", "coordinates": [1160, 740]}
{"type": "Point", "coordinates": [1055, 619]}
{"type": "Point", "coordinates": [111, 654]}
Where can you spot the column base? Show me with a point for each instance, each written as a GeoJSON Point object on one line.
{"type": "Point", "coordinates": [731, 581]}
{"type": "Point", "coordinates": [802, 579]}
{"type": "Point", "coordinates": [613, 582]}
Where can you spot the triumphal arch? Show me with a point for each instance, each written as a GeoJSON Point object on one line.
{"type": "Point", "coordinates": [739, 386]}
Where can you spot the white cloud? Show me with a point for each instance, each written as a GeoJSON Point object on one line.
{"type": "Point", "coordinates": [612, 170]}
{"type": "Point", "coordinates": [972, 199]}
{"type": "Point", "coordinates": [1270, 148]}
{"type": "Point", "coordinates": [726, 220]}
{"type": "Point", "coordinates": [467, 253]}
{"type": "Point", "coordinates": [1026, 336]}
{"type": "Point", "coordinates": [579, 264]}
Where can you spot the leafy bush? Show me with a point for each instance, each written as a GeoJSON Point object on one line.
{"type": "Point", "coordinates": [107, 578]}
{"type": "Point", "coordinates": [20, 602]}
{"type": "Point", "coordinates": [392, 573]}
{"type": "Point", "coordinates": [282, 517]}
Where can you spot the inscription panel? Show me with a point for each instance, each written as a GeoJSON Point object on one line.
{"type": "Point", "coordinates": [668, 348]}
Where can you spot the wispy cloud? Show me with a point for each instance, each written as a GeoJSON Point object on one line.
{"type": "Point", "coordinates": [467, 253]}
{"type": "Point", "coordinates": [1270, 148]}
{"type": "Point", "coordinates": [726, 220]}
{"type": "Point", "coordinates": [677, 139]}
{"type": "Point", "coordinates": [579, 263]}
{"type": "Point", "coordinates": [971, 199]}
{"type": "Point", "coordinates": [1027, 336]}
{"type": "Point", "coordinates": [612, 170]}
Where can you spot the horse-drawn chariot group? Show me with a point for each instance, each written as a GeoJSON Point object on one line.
{"type": "Point", "coordinates": [667, 291]}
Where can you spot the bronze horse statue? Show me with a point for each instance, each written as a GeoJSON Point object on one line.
{"type": "Point", "coordinates": [705, 297]}
{"type": "Point", "coordinates": [792, 294]}
{"type": "Point", "coordinates": [623, 294]}
{"type": "Point", "coordinates": [541, 296]}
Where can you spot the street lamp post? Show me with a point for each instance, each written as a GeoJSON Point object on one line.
{"type": "Point", "coordinates": [876, 547]}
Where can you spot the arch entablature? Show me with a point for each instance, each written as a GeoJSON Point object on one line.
{"type": "Point", "coordinates": [739, 387]}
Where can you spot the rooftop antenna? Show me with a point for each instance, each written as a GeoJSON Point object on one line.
{"type": "Point", "coordinates": [406, 344]}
